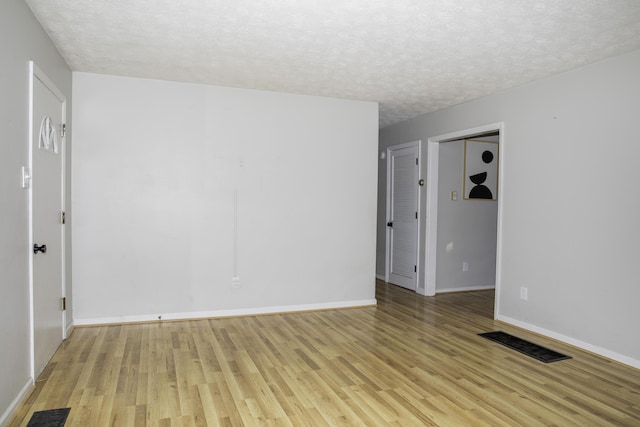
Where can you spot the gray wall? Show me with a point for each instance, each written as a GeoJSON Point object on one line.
{"type": "Point", "coordinates": [157, 168]}
{"type": "Point", "coordinates": [466, 229]}
{"type": "Point", "coordinates": [21, 40]}
{"type": "Point", "coordinates": [570, 228]}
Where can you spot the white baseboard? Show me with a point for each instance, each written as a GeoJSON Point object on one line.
{"type": "Point", "coordinates": [6, 416]}
{"type": "Point", "coordinates": [465, 289]}
{"type": "Point", "coordinates": [223, 313]}
{"type": "Point", "coordinates": [572, 341]}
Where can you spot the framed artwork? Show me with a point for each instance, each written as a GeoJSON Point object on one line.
{"type": "Point", "coordinates": [480, 178]}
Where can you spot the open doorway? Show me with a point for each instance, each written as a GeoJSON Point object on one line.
{"type": "Point", "coordinates": [464, 194]}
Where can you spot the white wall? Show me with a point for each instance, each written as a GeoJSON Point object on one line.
{"type": "Point", "coordinates": [466, 229]}
{"type": "Point", "coordinates": [21, 40]}
{"type": "Point", "coordinates": [570, 228]}
{"type": "Point", "coordinates": [157, 167]}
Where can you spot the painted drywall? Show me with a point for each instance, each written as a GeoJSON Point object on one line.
{"type": "Point", "coordinates": [165, 173]}
{"type": "Point", "coordinates": [21, 40]}
{"type": "Point", "coordinates": [569, 216]}
{"type": "Point", "coordinates": [467, 229]}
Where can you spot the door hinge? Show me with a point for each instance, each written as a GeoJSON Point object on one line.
{"type": "Point", "coordinates": [63, 130]}
{"type": "Point", "coordinates": [415, 268]}
{"type": "Point", "coordinates": [416, 215]}
{"type": "Point", "coordinates": [416, 161]}
{"type": "Point", "coordinates": [63, 303]}
{"type": "Point", "coordinates": [63, 217]}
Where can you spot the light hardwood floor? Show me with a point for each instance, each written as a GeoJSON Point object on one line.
{"type": "Point", "coordinates": [409, 361]}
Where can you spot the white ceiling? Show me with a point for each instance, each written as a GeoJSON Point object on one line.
{"type": "Point", "coordinates": [411, 56]}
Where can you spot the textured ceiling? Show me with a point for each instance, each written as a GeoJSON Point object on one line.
{"type": "Point", "coordinates": [411, 56]}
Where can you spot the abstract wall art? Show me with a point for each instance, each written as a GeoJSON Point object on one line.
{"type": "Point", "coordinates": [480, 179]}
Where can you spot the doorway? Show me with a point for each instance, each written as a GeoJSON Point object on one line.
{"type": "Point", "coordinates": [47, 145]}
{"type": "Point", "coordinates": [435, 197]}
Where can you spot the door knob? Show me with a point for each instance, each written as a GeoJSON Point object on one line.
{"type": "Point", "coordinates": [390, 224]}
{"type": "Point", "coordinates": [42, 248]}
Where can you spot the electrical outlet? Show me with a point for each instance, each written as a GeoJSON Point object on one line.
{"type": "Point", "coordinates": [235, 283]}
{"type": "Point", "coordinates": [465, 266]}
{"type": "Point", "coordinates": [524, 293]}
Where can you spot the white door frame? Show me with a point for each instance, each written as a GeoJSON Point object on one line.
{"type": "Point", "coordinates": [433, 147]}
{"type": "Point", "coordinates": [387, 262]}
{"type": "Point", "coordinates": [37, 73]}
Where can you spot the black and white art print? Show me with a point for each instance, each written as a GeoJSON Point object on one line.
{"type": "Point", "coordinates": [480, 170]}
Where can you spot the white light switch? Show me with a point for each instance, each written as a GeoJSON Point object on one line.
{"type": "Point", "coordinates": [26, 177]}
{"type": "Point", "coordinates": [454, 195]}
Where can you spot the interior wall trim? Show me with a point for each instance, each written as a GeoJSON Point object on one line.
{"type": "Point", "coordinates": [572, 341]}
{"type": "Point", "coordinates": [24, 392]}
{"type": "Point", "coordinates": [195, 315]}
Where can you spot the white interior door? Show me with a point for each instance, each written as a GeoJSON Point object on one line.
{"type": "Point", "coordinates": [47, 228]}
{"type": "Point", "coordinates": [402, 222]}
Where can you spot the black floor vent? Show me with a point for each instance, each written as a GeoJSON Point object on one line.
{"type": "Point", "coordinates": [536, 351]}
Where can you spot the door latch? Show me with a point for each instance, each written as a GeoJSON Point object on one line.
{"type": "Point", "coordinates": [42, 248]}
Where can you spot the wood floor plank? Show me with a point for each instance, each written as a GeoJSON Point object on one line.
{"type": "Point", "coordinates": [411, 360]}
